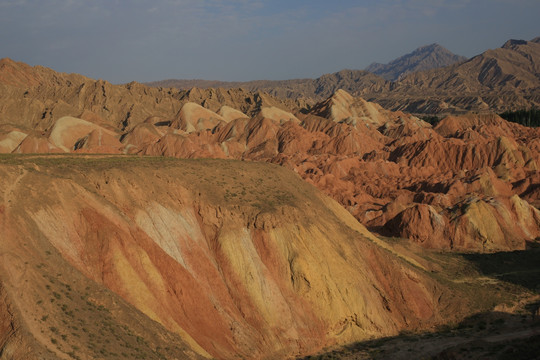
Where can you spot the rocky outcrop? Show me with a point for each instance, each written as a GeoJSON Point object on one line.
{"type": "Point", "coordinates": [69, 134]}
{"type": "Point", "coordinates": [471, 225]}
{"type": "Point", "coordinates": [193, 117]}
{"type": "Point", "coordinates": [10, 138]}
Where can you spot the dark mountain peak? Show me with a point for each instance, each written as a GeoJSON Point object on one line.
{"type": "Point", "coordinates": [433, 50]}
{"type": "Point", "coordinates": [430, 47]}
{"type": "Point", "coordinates": [426, 57]}
{"type": "Point", "coordinates": [512, 43]}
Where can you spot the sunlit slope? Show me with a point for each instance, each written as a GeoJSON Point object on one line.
{"type": "Point", "coordinates": [237, 258]}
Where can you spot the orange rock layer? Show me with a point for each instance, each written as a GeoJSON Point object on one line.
{"type": "Point", "coordinates": [468, 184]}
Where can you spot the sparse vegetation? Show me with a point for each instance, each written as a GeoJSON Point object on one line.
{"type": "Point", "coordinates": [77, 325]}
{"type": "Point", "coordinates": [431, 119]}
{"type": "Point", "coordinates": [524, 117]}
{"type": "Point", "coordinates": [228, 183]}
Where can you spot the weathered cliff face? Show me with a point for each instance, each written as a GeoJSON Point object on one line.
{"type": "Point", "coordinates": [238, 259]}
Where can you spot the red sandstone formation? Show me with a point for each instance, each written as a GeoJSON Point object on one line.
{"type": "Point", "coordinates": [466, 184]}
{"type": "Point", "coordinates": [237, 258]}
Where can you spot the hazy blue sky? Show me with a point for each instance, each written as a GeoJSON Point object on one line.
{"type": "Point", "coordinates": [144, 40]}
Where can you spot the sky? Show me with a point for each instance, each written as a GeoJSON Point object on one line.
{"type": "Point", "coordinates": [239, 40]}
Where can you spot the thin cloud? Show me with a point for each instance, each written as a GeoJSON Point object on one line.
{"type": "Point", "coordinates": [147, 40]}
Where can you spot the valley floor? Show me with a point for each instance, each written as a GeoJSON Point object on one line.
{"type": "Point", "coordinates": [510, 331]}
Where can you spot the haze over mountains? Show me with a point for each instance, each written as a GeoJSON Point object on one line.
{"type": "Point", "coordinates": [144, 222]}
{"type": "Point", "coordinates": [496, 80]}
{"type": "Point", "coordinates": [426, 57]}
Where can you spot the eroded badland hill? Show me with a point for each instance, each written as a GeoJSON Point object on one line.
{"type": "Point", "coordinates": [144, 222]}
{"type": "Point", "coordinates": [106, 257]}
{"type": "Point", "coordinates": [469, 183]}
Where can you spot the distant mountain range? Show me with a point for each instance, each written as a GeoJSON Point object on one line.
{"type": "Point", "coordinates": [424, 58]}
{"type": "Point", "coordinates": [507, 78]}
